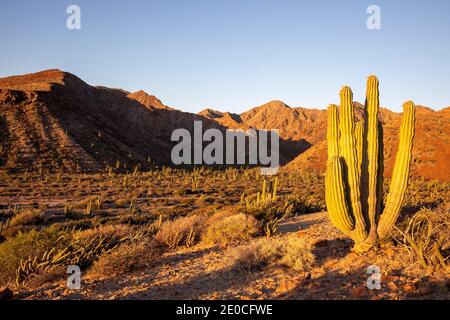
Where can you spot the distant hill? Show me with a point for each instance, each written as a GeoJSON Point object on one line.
{"type": "Point", "coordinates": [431, 151]}
{"type": "Point", "coordinates": [54, 120]}
{"type": "Point", "coordinates": [308, 127]}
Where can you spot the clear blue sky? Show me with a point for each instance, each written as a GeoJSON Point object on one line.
{"type": "Point", "coordinates": [236, 54]}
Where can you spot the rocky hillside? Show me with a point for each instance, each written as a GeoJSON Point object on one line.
{"type": "Point", "coordinates": [53, 120]}
{"type": "Point", "coordinates": [430, 153]}
{"type": "Point", "coordinates": [306, 129]}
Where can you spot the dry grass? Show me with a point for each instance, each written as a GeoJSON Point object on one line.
{"type": "Point", "coordinates": [426, 237]}
{"type": "Point", "coordinates": [107, 231]}
{"type": "Point", "coordinates": [183, 231]}
{"type": "Point", "coordinates": [28, 218]}
{"type": "Point", "coordinates": [126, 259]}
{"type": "Point", "coordinates": [292, 253]}
{"type": "Point", "coordinates": [223, 228]}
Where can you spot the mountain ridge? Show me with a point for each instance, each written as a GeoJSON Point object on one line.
{"type": "Point", "coordinates": [53, 119]}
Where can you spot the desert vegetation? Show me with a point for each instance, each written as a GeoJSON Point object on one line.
{"type": "Point", "coordinates": [243, 234]}
{"type": "Point", "coordinates": [86, 179]}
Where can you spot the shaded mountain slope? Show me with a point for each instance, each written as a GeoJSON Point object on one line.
{"type": "Point", "coordinates": [53, 120]}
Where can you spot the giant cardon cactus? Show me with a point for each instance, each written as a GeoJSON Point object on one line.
{"type": "Point", "coordinates": [354, 177]}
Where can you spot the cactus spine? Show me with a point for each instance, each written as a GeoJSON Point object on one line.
{"type": "Point", "coordinates": [354, 179]}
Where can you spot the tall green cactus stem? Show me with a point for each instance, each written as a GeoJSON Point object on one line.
{"type": "Point", "coordinates": [347, 149]}
{"type": "Point", "coordinates": [400, 175]}
{"type": "Point", "coordinates": [354, 179]}
{"type": "Point", "coordinates": [372, 110]}
{"type": "Point", "coordinates": [335, 196]}
{"type": "Point", "coordinates": [359, 134]}
{"type": "Point", "coordinates": [380, 170]}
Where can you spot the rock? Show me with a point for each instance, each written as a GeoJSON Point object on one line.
{"type": "Point", "coordinates": [410, 289]}
{"type": "Point", "coordinates": [392, 286]}
{"type": "Point", "coordinates": [6, 294]}
{"type": "Point", "coordinates": [425, 289]}
{"type": "Point", "coordinates": [359, 292]}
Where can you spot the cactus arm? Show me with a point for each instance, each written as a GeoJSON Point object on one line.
{"type": "Point", "coordinates": [359, 134]}
{"type": "Point", "coordinates": [380, 186]}
{"type": "Point", "coordinates": [372, 110]}
{"type": "Point", "coordinates": [263, 195]}
{"type": "Point", "coordinates": [400, 174]}
{"type": "Point", "coordinates": [347, 148]}
{"type": "Point", "coordinates": [333, 131]}
{"type": "Point", "coordinates": [335, 197]}
{"type": "Point", "coordinates": [275, 189]}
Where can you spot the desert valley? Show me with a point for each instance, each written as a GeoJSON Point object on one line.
{"type": "Point", "coordinates": [86, 179]}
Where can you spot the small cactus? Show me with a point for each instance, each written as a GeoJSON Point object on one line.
{"type": "Point", "coordinates": [354, 178]}
{"type": "Point", "coordinates": [267, 195]}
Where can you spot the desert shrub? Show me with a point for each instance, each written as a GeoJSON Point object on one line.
{"type": "Point", "coordinates": [424, 193]}
{"type": "Point", "coordinates": [126, 258]}
{"type": "Point", "coordinates": [215, 215]}
{"type": "Point", "coordinates": [82, 224]}
{"type": "Point", "coordinates": [82, 249]}
{"type": "Point", "coordinates": [184, 231]}
{"type": "Point", "coordinates": [299, 204]}
{"type": "Point", "coordinates": [12, 231]}
{"type": "Point", "coordinates": [179, 191]}
{"type": "Point", "coordinates": [269, 215]}
{"type": "Point", "coordinates": [107, 231]}
{"type": "Point", "coordinates": [83, 203]}
{"type": "Point", "coordinates": [296, 254]}
{"type": "Point", "coordinates": [134, 219]}
{"type": "Point", "coordinates": [272, 213]}
{"type": "Point", "coordinates": [292, 252]}
{"type": "Point", "coordinates": [426, 237]}
{"type": "Point", "coordinates": [229, 229]}
{"type": "Point", "coordinates": [123, 203]}
{"type": "Point", "coordinates": [24, 245]}
{"type": "Point", "coordinates": [27, 218]}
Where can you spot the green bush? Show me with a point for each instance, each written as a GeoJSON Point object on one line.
{"type": "Point", "coordinates": [25, 245]}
